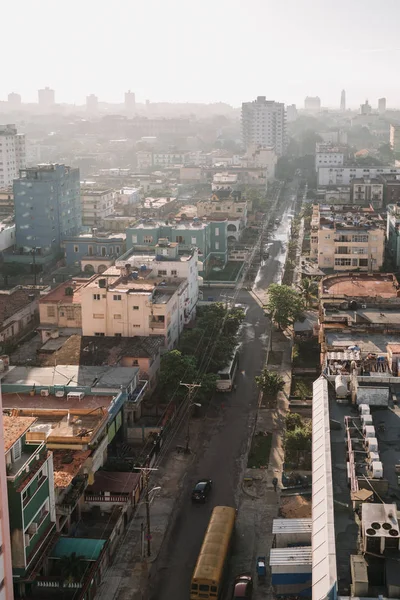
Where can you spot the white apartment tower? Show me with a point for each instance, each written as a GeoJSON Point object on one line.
{"type": "Point", "coordinates": [264, 124]}
{"type": "Point", "coordinates": [12, 154]}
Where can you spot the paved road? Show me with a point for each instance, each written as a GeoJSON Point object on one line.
{"type": "Point", "coordinates": [228, 426]}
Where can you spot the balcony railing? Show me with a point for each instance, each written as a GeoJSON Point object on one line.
{"type": "Point", "coordinates": [138, 392]}
{"type": "Point", "coordinates": [115, 498]}
{"type": "Point", "coordinates": [156, 324]}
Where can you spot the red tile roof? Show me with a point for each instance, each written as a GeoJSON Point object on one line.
{"type": "Point", "coordinates": [12, 303]}
{"type": "Point", "coordinates": [14, 428]}
{"type": "Point", "coordinates": [119, 483]}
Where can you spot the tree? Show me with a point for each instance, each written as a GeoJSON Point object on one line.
{"type": "Point", "coordinates": [270, 382]}
{"type": "Point", "coordinates": [293, 420]}
{"type": "Point", "coordinates": [308, 290]}
{"type": "Point", "coordinates": [298, 441]}
{"type": "Point", "coordinates": [285, 305]}
{"type": "Point", "coordinates": [176, 367]}
{"type": "Point", "coordinates": [11, 269]}
{"type": "Point", "coordinates": [72, 568]}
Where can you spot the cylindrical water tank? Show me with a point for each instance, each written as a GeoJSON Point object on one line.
{"type": "Point", "coordinates": [340, 387]}
{"type": "Point", "coordinates": [364, 409]}
{"type": "Point", "coordinates": [366, 419]}
{"type": "Point", "coordinates": [369, 431]}
{"type": "Point", "coordinates": [372, 444]}
{"type": "Point", "coordinates": [376, 470]}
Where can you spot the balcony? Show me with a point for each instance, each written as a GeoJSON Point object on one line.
{"type": "Point", "coordinates": [32, 458]}
{"type": "Point", "coordinates": [136, 396]}
{"type": "Point", "coordinates": [71, 498]}
{"type": "Point", "coordinates": [155, 324]}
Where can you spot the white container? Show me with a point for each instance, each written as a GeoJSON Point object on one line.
{"type": "Point", "coordinates": [366, 420]}
{"type": "Point", "coordinates": [292, 532]}
{"type": "Point", "coordinates": [341, 387]}
{"type": "Point", "coordinates": [364, 409]}
{"type": "Point", "coordinates": [372, 444]}
{"type": "Point", "coordinates": [373, 457]}
{"type": "Point", "coordinates": [369, 431]}
{"type": "Point", "coordinates": [376, 470]}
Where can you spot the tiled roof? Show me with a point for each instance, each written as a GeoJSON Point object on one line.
{"type": "Point", "coordinates": [119, 483]}
{"type": "Point", "coordinates": [14, 428]}
{"type": "Point", "coordinates": [67, 464]}
{"type": "Point", "coordinates": [12, 303]}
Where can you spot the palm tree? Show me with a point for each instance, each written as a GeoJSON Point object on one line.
{"type": "Point", "coordinates": [308, 290]}
{"type": "Point", "coordinates": [72, 568]}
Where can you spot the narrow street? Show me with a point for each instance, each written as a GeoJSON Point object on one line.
{"type": "Point", "coordinates": [227, 429]}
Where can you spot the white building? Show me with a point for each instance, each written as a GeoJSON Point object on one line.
{"type": "Point", "coordinates": [12, 154]}
{"type": "Point", "coordinates": [291, 113]}
{"type": "Point", "coordinates": [144, 160]}
{"type": "Point", "coordinates": [367, 191]}
{"type": "Point", "coordinates": [261, 158]}
{"type": "Point", "coordinates": [164, 160]}
{"type": "Point", "coordinates": [344, 175]}
{"type": "Point", "coordinates": [264, 124]}
{"type": "Point", "coordinates": [7, 235]}
{"type": "Point", "coordinates": [135, 304]}
{"type": "Point", "coordinates": [128, 196]}
{"type": "Point", "coordinates": [327, 155]}
{"type": "Point", "coordinates": [46, 97]}
{"type": "Point", "coordinates": [96, 205]}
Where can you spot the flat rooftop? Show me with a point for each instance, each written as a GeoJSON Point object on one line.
{"type": "Point", "coordinates": [20, 401]}
{"type": "Point", "coordinates": [375, 343]}
{"type": "Point", "coordinates": [359, 285]}
{"type": "Point", "coordinates": [195, 225]}
{"type": "Point", "coordinates": [162, 289]}
{"type": "Point", "coordinates": [67, 464]}
{"type": "Point", "coordinates": [61, 294]}
{"type": "Point", "coordinates": [102, 377]}
{"type": "Point", "coordinates": [14, 428]}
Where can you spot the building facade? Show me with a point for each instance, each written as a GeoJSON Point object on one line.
{"type": "Point", "coordinates": [6, 575]}
{"type": "Point", "coordinates": [393, 233]}
{"type": "Point", "coordinates": [345, 239]}
{"type": "Point", "coordinates": [395, 138]}
{"type": "Point", "coordinates": [328, 155]}
{"type": "Point", "coordinates": [366, 191]}
{"type": "Point", "coordinates": [19, 310]}
{"type": "Point", "coordinates": [344, 175]}
{"type": "Point", "coordinates": [47, 207]}
{"type": "Point", "coordinates": [12, 154]}
{"type": "Point", "coordinates": [264, 124]}
{"type": "Point", "coordinates": [381, 106]}
{"type": "Point", "coordinates": [312, 104]}
{"type": "Point", "coordinates": [46, 97]}
{"type": "Point", "coordinates": [96, 249]}
{"type": "Point", "coordinates": [31, 503]}
{"type": "Point", "coordinates": [96, 205]}
{"type": "Point", "coordinates": [60, 309]}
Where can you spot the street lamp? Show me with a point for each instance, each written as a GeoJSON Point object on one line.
{"type": "Point", "coordinates": [148, 529]}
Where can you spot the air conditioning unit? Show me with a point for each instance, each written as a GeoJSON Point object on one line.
{"type": "Point", "coordinates": [60, 394]}
{"type": "Point", "coordinates": [44, 392]}
{"type": "Point", "coordinates": [32, 529]}
{"type": "Point", "coordinates": [363, 306]}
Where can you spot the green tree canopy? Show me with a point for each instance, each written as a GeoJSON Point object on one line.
{"type": "Point", "coordinates": [308, 290]}
{"type": "Point", "coordinates": [270, 382]}
{"type": "Point", "coordinates": [285, 305]}
{"type": "Point", "coordinates": [11, 269]}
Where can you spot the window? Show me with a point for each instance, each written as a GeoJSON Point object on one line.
{"type": "Point", "coordinates": [135, 325]}
{"type": "Point", "coordinates": [117, 297]}
{"type": "Point", "coordinates": [96, 296]}
{"type": "Point", "coordinates": [134, 239]}
{"type": "Point", "coordinates": [147, 239]}
{"type": "Point", "coordinates": [51, 311]}
{"type": "Point", "coordinates": [135, 307]}
{"type": "Point", "coordinates": [70, 312]}
{"type": "Point", "coordinates": [217, 231]}
{"type": "Point", "coordinates": [174, 272]}
{"type": "Point", "coordinates": [117, 317]}
{"type": "Point", "coordinates": [90, 250]}
{"type": "Point", "coordinates": [193, 240]}
{"type": "Point", "coordinates": [17, 450]}
{"type": "Point", "coordinates": [162, 272]}
{"type": "Point", "coordinates": [76, 249]}
{"type": "Point", "coordinates": [359, 238]}
{"type": "Point", "coordinates": [217, 245]}
{"type": "Point", "coordinates": [342, 262]}
{"type": "Point", "coordinates": [99, 334]}
{"type": "Point", "coordinates": [103, 251]}
{"type": "Point", "coordinates": [363, 262]}
{"type": "Point", "coordinates": [117, 249]}
{"type": "Point", "coordinates": [118, 335]}
{"type": "Point", "coordinates": [98, 316]}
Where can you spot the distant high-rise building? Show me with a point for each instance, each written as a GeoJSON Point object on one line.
{"type": "Point", "coordinates": [381, 105]}
{"type": "Point", "coordinates": [6, 582]}
{"type": "Point", "coordinates": [46, 97]}
{"type": "Point", "coordinates": [92, 104]}
{"type": "Point", "coordinates": [47, 206]}
{"type": "Point", "coordinates": [130, 102]}
{"type": "Point", "coordinates": [395, 138]}
{"type": "Point", "coordinates": [264, 124]}
{"type": "Point", "coordinates": [14, 100]}
{"type": "Point", "coordinates": [343, 101]}
{"type": "Point", "coordinates": [291, 113]}
{"type": "Point", "coordinates": [365, 109]}
{"type": "Point", "coordinates": [312, 103]}
{"type": "Point", "coordinates": [12, 154]}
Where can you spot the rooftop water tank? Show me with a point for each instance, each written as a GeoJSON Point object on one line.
{"type": "Point", "coordinates": [135, 274]}
{"type": "Point", "coordinates": [366, 420]}
{"type": "Point", "coordinates": [369, 431]}
{"type": "Point", "coordinates": [372, 444]}
{"type": "Point", "coordinates": [143, 268]}
{"type": "Point", "coordinates": [373, 456]}
{"type": "Point", "coordinates": [376, 470]}
{"type": "Point", "coordinates": [364, 409]}
{"type": "Point", "coordinates": [340, 387]}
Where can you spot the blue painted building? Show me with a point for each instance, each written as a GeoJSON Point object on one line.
{"type": "Point", "coordinates": [47, 208]}
{"type": "Point", "coordinates": [210, 237]}
{"type": "Point", "coordinates": [94, 246]}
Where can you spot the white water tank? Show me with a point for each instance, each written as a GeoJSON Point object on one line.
{"type": "Point", "coordinates": [373, 457]}
{"type": "Point", "coordinates": [340, 387]}
{"type": "Point", "coordinates": [376, 470]}
{"type": "Point", "coordinates": [364, 409]}
{"type": "Point", "coordinates": [369, 431]}
{"type": "Point", "coordinates": [366, 420]}
{"type": "Point", "coordinates": [372, 444]}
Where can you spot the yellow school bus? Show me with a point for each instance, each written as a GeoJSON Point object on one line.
{"type": "Point", "coordinates": [208, 574]}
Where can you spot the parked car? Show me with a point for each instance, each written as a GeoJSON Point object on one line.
{"type": "Point", "coordinates": [201, 490]}
{"type": "Point", "coordinates": [243, 587]}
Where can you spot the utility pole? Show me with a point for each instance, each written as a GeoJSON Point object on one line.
{"type": "Point", "coordinates": [191, 387]}
{"type": "Point", "coordinates": [146, 473]}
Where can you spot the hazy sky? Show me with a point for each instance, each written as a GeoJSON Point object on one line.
{"type": "Point", "coordinates": [204, 51]}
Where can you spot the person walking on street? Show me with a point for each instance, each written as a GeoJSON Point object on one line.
{"type": "Point", "coordinates": [275, 483]}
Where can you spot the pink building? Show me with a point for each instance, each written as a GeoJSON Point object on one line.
{"type": "Point", "coordinates": [6, 578]}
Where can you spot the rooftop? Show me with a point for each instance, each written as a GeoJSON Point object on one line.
{"type": "Point", "coordinates": [360, 285]}
{"type": "Point", "coordinates": [94, 191]}
{"type": "Point", "coordinates": [86, 548]}
{"type": "Point", "coordinates": [23, 400]}
{"type": "Point", "coordinates": [14, 428]}
{"type": "Point", "coordinates": [98, 236]}
{"type": "Point", "coordinates": [160, 289]}
{"type": "Point", "coordinates": [14, 300]}
{"type": "Point", "coordinates": [153, 224]}
{"type": "Point", "coordinates": [61, 294]}
{"type": "Point", "coordinates": [102, 377]}
{"type": "Point", "coordinates": [105, 481]}
{"type": "Point", "coordinates": [67, 464]}
{"type": "Point", "coordinates": [155, 203]}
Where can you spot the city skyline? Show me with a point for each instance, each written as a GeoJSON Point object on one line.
{"type": "Point", "coordinates": [182, 67]}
